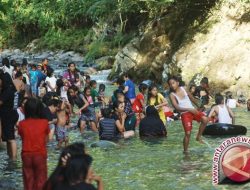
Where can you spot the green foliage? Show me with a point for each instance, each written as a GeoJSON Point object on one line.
{"type": "Point", "coordinates": [98, 27]}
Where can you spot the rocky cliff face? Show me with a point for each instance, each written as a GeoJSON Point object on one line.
{"type": "Point", "coordinates": [219, 50]}
{"type": "Point", "coordinates": [222, 54]}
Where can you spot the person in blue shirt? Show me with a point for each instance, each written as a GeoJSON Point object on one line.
{"type": "Point", "coordinates": [129, 88]}
{"type": "Point", "coordinates": [33, 80]}
{"type": "Point", "coordinates": [40, 74]}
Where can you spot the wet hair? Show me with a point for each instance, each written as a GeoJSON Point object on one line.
{"type": "Point", "coordinates": [92, 83]}
{"type": "Point", "coordinates": [219, 99]}
{"type": "Point", "coordinates": [73, 170]}
{"type": "Point", "coordinates": [106, 112]}
{"type": "Point", "coordinates": [33, 108]}
{"type": "Point", "coordinates": [102, 88]}
{"type": "Point", "coordinates": [150, 95]}
{"type": "Point", "coordinates": [18, 74]}
{"type": "Point", "coordinates": [6, 62]}
{"type": "Point", "coordinates": [142, 87]}
{"type": "Point", "coordinates": [50, 72]}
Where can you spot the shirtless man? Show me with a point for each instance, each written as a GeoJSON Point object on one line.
{"type": "Point", "coordinates": [18, 82]}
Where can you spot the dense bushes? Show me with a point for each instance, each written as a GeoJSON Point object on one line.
{"type": "Point", "coordinates": [94, 27]}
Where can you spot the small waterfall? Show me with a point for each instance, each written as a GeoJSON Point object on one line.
{"type": "Point", "coordinates": [101, 76]}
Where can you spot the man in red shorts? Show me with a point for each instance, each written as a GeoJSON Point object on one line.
{"type": "Point", "coordinates": [181, 100]}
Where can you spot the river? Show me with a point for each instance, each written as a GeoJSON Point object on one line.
{"type": "Point", "coordinates": [137, 164]}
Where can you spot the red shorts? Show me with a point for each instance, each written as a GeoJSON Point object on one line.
{"type": "Point", "coordinates": [187, 119]}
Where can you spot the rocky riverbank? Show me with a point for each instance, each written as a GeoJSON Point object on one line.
{"type": "Point", "coordinates": [59, 59]}
{"type": "Point", "coordinates": [218, 48]}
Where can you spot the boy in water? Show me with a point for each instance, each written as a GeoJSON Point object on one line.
{"type": "Point", "coordinates": [181, 100]}
{"type": "Point", "coordinates": [61, 126]}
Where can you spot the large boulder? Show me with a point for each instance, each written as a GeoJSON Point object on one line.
{"type": "Point", "coordinates": [105, 63]}
{"type": "Point", "coordinates": [144, 56]}
{"type": "Point", "coordinates": [223, 53]}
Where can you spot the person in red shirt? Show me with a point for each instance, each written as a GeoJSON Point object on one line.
{"type": "Point", "coordinates": [34, 134]}
{"type": "Point", "coordinates": [139, 103]}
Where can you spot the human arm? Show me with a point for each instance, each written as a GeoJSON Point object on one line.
{"type": "Point", "coordinates": [180, 109]}
{"type": "Point", "coordinates": [212, 112]}
{"type": "Point", "coordinates": [86, 104]}
{"type": "Point", "coordinates": [49, 85]}
{"type": "Point", "coordinates": [192, 98]}
{"type": "Point", "coordinates": [163, 102]}
{"type": "Point", "coordinates": [120, 124]}
{"type": "Point", "coordinates": [231, 115]}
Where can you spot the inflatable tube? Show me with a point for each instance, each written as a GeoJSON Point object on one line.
{"type": "Point", "coordinates": [103, 144]}
{"type": "Point", "coordinates": [221, 129]}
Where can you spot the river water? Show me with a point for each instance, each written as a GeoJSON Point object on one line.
{"type": "Point", "coordinates": [140, 165]}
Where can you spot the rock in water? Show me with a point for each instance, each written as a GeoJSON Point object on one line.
{"type": "Point", "coordinates": [103, 144]}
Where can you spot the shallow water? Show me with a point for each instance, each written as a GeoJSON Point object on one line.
{"type": "Point", "coordinates": [141, 165]}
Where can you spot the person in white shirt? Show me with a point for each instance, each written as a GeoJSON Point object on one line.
{"type": "Point", "coordinates": [7, 68]}
{"type": "Point", "coordinates": [224, 113]}
{"type": "Point", "coordinates": [230, 101]}
{"type": "Point", "coordinates": [50, 81]}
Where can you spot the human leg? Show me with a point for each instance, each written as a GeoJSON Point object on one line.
{"type": "Point", "coordinates": [40, 171]}
{"type": "Point", "coordinates": [28, 174]}
{"type": "Point", "coordinates": [204, 121]}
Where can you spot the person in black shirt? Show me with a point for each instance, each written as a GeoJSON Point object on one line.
{"type": "Point", "coordinates": [49, 113]}
{"type": "Point", "coordinates": [73, 171]}
{"type": "Point", "coordinates": [152, 125]}
{"type": "Point", "coordinates": [202, 92]}
{"type": "Point", "coordinates": [8, 114]}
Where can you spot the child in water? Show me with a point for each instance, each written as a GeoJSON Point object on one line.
{"type": "Point", "coordinates": [181, 100]}
{"type": "Point", "coordinates": [157, 99]}
{"type": "Point", "coordinates": [223, 112]}
{"type": "Point", "coordinates": [139, 103]}
{"type": "Point", "coordinates": [34, 132]}
{"type": "Point", "coordinates": [61, 126]}
{"type": "Point", "coordinates": [101, 95]}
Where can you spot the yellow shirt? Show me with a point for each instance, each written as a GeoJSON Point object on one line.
{"type": "Point", "coordinates": [160, 110]}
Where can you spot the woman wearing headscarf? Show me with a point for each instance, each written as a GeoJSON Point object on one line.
{"type": "Point", "coordinates": [152, 125]}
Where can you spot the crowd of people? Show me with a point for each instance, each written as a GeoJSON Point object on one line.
{"type": "Point", "coordinates": [37, 105]}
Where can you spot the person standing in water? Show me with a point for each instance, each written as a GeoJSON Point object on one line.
{"type": "Point", "coordinates": [157, 99]}
{"type": "Point", "coordinates": [181, 100]}
{"type": "Point", "coordinates": [129, 90]}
